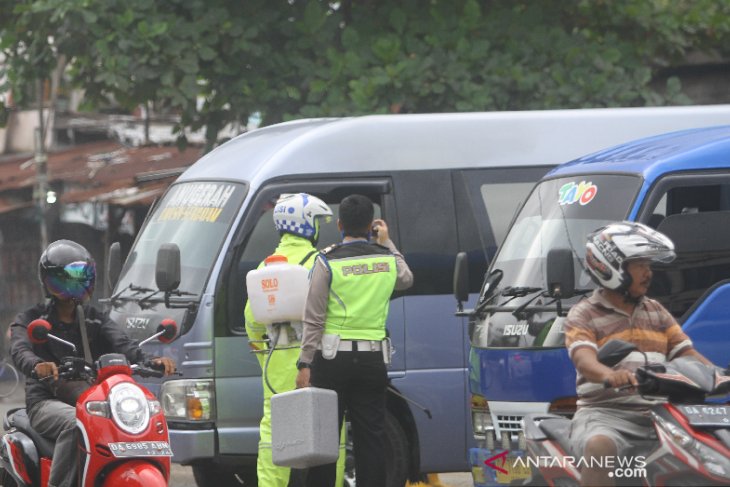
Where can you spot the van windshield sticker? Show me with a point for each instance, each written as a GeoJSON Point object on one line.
{"type": "Point", "coordinates": [582, 192]}
{"type": "Point", "coordinates": [197, 202]}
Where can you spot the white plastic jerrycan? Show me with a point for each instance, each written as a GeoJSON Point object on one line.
{"type": "Point", "coordinates": [277, 291]}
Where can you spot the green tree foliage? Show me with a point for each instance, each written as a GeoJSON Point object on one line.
{"type": "Point", "coordinates": [310, 58]}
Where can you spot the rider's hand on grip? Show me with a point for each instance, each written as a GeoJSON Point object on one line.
{"type": "Point", "coordinates": [620, 380]}
{"type": "Point", "coordinates": [165, 364]}
{"type": "Point", "coordinates": [46, 370]}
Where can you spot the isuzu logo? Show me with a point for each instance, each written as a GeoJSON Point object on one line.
{"type": "Point", "coordinates": [518, 329]}
{"type": "Point", "coordinates": [137, 323]}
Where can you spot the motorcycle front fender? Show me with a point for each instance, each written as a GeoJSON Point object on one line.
{"type": "Point", "coordinates": [135, 473]}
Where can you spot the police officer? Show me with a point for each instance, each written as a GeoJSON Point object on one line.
{"type": "Point", "coordinates": [344, 346]}
{"type": "Point", "coordinates": [297, 219]}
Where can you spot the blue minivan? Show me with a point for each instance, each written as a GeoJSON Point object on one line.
{"type": "Point", "coordinates": [445, 183]}
{"type": "Point", "coordinates": [678, 183]}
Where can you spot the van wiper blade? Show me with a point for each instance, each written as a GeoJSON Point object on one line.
{"type": "Point", "coordinates": [131, 287]}
{"type": "Point", "coordinates": [144, 299]}
{"type": "Point", "coordinates": [519, 291]}
{"type": "Point", "coordinates": [189, 303]}
{"type": "Point", "coordinates": [176, 293]}
{"type": "Point", "coordinates": [511, 292]}
{"type": "Point", "coordinates": [519, 313]}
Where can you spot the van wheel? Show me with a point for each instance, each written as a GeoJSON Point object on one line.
{"type": "Point", "coordinates": [396, 454]}
{"type": "Point", "coordinates": [396, 450]}
{"type": "Point", "coordinates": [7, 480]}
{"type": "Point", "coordinates": [209, 474]}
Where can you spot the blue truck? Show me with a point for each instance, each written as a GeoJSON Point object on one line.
{"type": "Point", "coordinates": [678, 183]}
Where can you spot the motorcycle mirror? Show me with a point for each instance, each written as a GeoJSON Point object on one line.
{"type": "Point", "coordinates": [114, 264]}
{"type": "Point", "coordinates": [168, 327]}
{"type": "Point", "coordinates": [614, 351]}
{"type": "Point", "coordinates": [38, 331]}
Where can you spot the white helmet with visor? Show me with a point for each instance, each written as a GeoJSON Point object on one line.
{"type": "Point", "coordinates": [298, 214]}
{"type": "Point", "coordinates": [609, 248]}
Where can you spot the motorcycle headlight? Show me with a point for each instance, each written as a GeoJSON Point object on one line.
{"type": "Point", "coordinates": [129, 407]}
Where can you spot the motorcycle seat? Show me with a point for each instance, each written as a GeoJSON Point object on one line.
{"type": "Point", "coordinates": [558, 429]}
{"type": "Point", "coordinates": [19, 418]}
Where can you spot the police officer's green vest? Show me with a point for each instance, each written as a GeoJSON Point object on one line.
{"type": "Point", "coordinates": [360, 296]}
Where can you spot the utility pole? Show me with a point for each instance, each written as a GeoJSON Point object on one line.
{"type": "Point", "coordinates": [41, 166]}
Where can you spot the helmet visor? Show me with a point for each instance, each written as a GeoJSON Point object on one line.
{"type": "Point", "coordinates": [72, 281]}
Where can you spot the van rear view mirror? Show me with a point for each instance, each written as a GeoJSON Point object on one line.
{"type": "Point", "coordinates": [113, 264]}
{"type": "Point", "coordinates": [167, 269]}
{"type": "Point", "coordinates": [461, 279]}
{"type": "Point", "coordinates": [560, 273]}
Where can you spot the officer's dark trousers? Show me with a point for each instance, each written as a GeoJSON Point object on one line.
{"type": "Point", "coordinates": [360, 380]}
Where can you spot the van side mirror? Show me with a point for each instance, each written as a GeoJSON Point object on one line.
{"type": "Point", "coordinates": [560, 274]}
{"type": "Point", "coordinates": [614, 351]}
{"type": "Point", "coordinates": [461, 280]}
{"type": "Point", "coordinates": [113, 264]}
{"type": "Point", "coordinates": [167, 269]}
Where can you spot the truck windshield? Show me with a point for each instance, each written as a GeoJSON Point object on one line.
{"type": "Point", "coordinates": [194, 215]}
{"type": "Point", "coordinates": [559, 213]}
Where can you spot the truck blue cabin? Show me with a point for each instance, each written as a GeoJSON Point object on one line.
{"type": "Point", "coordinates": [678, 183]}
{"type": "Point", "coordinates": [445, 183]}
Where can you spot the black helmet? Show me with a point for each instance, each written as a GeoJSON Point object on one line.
{"type": "Point", "coordinates": [67, 271]}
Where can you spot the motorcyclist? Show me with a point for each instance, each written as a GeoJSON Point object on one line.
{"type": "Point", "coordinates": [609, 419]}
{"type": "Point", "coordinates": [67, 274]}
{"type": "Point", "coordinates": [297, 219]}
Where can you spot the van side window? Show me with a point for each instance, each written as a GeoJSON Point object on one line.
{"type": "Point", "coordinates": [501, 202]}
{"type": "Point", "coordinates": [696, 219]}
{"type": "Point", "coordinates": [261, 243]}
{"type": "Point", "coordinates": [427, 229]}
{"type": "Point", "coordinates": [486, 202]}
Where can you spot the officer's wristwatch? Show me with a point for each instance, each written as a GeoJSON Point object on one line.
{"type": "Point", "coordinates": [303, 365]}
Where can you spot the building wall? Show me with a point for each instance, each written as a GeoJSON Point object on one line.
{"type": "Point", "coordinates": [19, 133]}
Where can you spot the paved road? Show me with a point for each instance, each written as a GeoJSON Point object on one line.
{"type": "Point", "coordinates": [183, 476]}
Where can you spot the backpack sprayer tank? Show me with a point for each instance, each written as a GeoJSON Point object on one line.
{"type": "Point", "coordinates": [277, 293]}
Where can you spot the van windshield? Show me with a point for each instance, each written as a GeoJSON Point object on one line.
{"type": "Point", "coordinates": [194, 215]}
{"type": "Point", "coordinates": [559, 213]}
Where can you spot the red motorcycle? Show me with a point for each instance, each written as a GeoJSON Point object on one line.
{"type": "Point", "coordinates": [692, 444]}
{"type": "Point", "coordinates": [123, 438]}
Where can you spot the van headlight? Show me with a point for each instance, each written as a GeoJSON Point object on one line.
{"type": "Point", "coordinates": [129, 408]}
{"type": "Point", "coordinates": [189, 399]}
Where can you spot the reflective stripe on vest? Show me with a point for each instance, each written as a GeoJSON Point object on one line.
{"type": "Point", "coordinates": [359, 297]}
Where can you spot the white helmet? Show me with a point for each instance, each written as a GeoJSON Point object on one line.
{"type": "Point", "coordinates": [297, 214]}
{"type": "Point", "coordinates": [610, 247]}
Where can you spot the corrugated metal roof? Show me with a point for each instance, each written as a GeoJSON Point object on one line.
{"type": "Point", "coordinates": [100, 171]}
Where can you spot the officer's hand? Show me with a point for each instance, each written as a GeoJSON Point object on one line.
{"type": "Point", "coordinates": [618, 378]}
{"type": "Point", "coordinates": [46, 369]}
{"type": "Point", "coordinates": [303, 378]}
{"type": "Point", "coordinates": [167, 362]}
{"type": "Point", "coordinates": [380, 231]}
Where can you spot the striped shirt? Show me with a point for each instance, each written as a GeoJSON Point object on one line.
{"type": "Point", "coordinates": [594, 321]}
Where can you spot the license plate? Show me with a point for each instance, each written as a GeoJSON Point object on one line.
{"type": "Point", "coordinates": [515, 471]}
{"type": "Point", "coordinates": [705, 415]}
{"type": "Point", "coordinates": [141, 449]}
